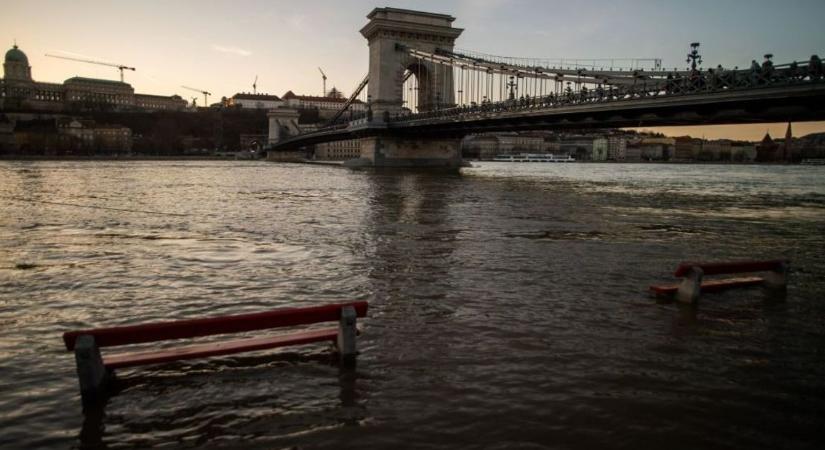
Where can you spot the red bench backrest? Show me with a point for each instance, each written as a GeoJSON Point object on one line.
{"type": "Point", "coordinates": [720, 268]}
{"type": "Point", "coordinates": [160, 331]}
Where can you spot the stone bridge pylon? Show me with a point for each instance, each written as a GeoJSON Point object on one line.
{"type": "Point", "coordinates": [387, 32]}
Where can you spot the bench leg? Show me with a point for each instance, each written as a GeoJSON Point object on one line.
{"type": "Point", "coordinates": [777, 279]}
{"type": "Point", "coordinates": [346, 336]}
{"type": "Point", "coordinates": [91, 373]}
{"type": "Point", "coordinates": [691, 286]}
{"type": "Point", "coordinates": [776, 282]}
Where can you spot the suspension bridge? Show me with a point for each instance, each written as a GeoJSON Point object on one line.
{"type": "Point", "coordinates": [424, 95]}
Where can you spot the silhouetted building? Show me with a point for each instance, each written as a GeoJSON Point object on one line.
{"type": "Point", "coordinates": [254, 101]}
{"type": "Point", "coordinates": [686, 148]}
{"type": "Point", "coordinates": [789, 152]}
{"type": "Point", "coordinates": [36, 137]}
{"type": "Point", "coordinates": [488, 145]}
{"type": "Point", "coordinates": [149, 102]}
{"type": "Point", "coordinates": [326, 106]}
{"type": "Point", "coordinates": [18, 91]}
{"type": "Point", "coordinates": [768, 150]}
{"type": "Point", "coordinates": [582, 148]}
{"type": "Point", "coordinates": [657, 148]}
{"type": "Point", "coordinates": [742, 152]}
{"type": "Point", "coordinates": [718, 150]}
{"type": "Point", "coordinates": [616, 148]}
{"type": "Point", "coordinates": [67, 135]}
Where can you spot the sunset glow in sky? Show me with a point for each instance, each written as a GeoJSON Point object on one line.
{"type": "Point", "coordinates": [220, 46]}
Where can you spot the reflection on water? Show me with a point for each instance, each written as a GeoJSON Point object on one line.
{"type": "Point", "coordinates": [508, 304]}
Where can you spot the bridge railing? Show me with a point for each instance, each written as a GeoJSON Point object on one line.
{"type": "Point", "coordinates": [697, 82]}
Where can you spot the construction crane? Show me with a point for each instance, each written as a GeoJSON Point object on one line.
{"type": "Point", "coordinates": [255, 86]}
{"type": "Point", "coordinates": [205, 94]}
{"type": "Point", "coordinates": [324, 79]}
{"type": "Point", "coordinates": [120, 67]}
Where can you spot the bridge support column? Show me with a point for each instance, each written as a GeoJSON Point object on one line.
{"type": "Point", "coordinates": [398, 151]}
{"type": "Point", "coordinates": [283, 123]}
{"type": "Point", "coordinates": [429, 32]}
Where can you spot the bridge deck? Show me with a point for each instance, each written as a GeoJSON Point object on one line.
{"type": "Point", "coordinates": [800, 102]}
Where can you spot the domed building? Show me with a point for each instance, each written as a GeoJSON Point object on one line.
{"type": "Point", "coordinates": [16, 65]}
{"type": "Point", "coordinates": [19, 92]}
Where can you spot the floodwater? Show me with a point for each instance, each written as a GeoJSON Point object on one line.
{"type": "Point", "coordinates": [508, 304]}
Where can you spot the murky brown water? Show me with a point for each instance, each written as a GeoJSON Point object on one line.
{"type": "Point", "coordinates": [508, 304]}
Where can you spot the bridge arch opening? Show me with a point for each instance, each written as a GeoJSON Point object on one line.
{"type": "Point", "coordinates": [417, 89]}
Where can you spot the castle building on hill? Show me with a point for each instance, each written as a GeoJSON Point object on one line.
{"type": "Point", "coordinates": [19, 92]}
{"type": "Point", "coordinates": [327, 106]}
{"type": "Point", "coordinates": [253, 101]}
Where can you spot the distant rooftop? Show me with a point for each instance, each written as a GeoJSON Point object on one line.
{"type": "Point", "coordinates": [176, 97]}
{"type": "Point", "coordinates": [16, 55]}
{"type": "Point", "coordinates": [313, 98]}
{"type": "Point", "coordinates": [377, 11]}
{"type": "Point", "coordinates": [248, 96]}
{"type": "Point", "coordinates": [97, 80]}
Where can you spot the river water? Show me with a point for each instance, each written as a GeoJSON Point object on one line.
{"type": "Point", "coordinates": [508, 304]}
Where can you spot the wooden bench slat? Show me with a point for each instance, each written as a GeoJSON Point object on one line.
{"type": "Point", "coordinates": [182, 329]}
{"type": "Point", "coordinates": [721, 268]}
{"type": "Point", "coordinates": [709, 285]}
{"type": "Point", "coordinates": [118, 361]}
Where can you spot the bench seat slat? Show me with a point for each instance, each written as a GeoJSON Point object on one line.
{"type": "Point", "coordinates": [722, 268]}
{"type": "Point", "coordinates": [118, 361]}
{"type": "Point", "coordinates": [709, 285]}
{"type": "Point", "coordinates": [209, 326]}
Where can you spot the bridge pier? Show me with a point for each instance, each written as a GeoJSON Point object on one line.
{"type": "Point", "coordinates": [283, 122]}
{"type": "Point", "coordinates": [401, 151]}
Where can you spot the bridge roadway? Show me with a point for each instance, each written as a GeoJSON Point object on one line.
{"type": "Point", "coordinates": [804, 101]}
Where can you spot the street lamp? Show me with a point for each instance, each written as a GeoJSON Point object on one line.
{"type": "Point", "coordinates": [693, 57]}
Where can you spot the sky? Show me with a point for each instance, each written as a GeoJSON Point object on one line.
{"type": "Point", "coordinates": [221, 46]}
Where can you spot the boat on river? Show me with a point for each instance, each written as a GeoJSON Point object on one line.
{"type": "Point", "coordinates": [535, 157]}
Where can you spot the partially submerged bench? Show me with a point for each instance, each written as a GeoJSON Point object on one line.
{"type": "Point", "coordinates": [692, 274]}
{"type": "Point", "coordinates": [94, 370]}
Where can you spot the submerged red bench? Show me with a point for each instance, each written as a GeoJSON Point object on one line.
{"type": "Point", "coordinates": [93, 370]}
{"type": "Point", "coordinates": [692, 273]}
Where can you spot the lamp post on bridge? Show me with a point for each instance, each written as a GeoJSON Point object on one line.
{"type": "Point", "coordinates": [512, 86]}
{"type": "Point", "coordinates": [694, 58]}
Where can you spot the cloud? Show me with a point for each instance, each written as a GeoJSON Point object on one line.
{"type": "Point", "coordinates": [296, 21]}
{"type": "Point", "coordinates": [232, 50]}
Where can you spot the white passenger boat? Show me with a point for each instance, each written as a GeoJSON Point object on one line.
{"type": "Point", "coordinates": [535, 157]}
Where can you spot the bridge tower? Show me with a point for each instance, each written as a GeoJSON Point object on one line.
{"type": "Point", "coordinates": [388, 31]}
